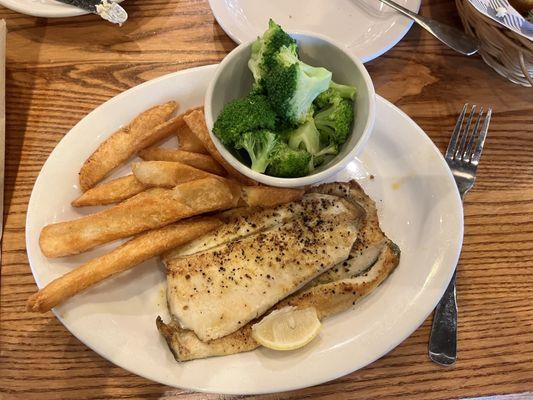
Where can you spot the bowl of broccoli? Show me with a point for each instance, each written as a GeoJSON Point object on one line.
{"type": "Point", "coordinates": [290, 109]}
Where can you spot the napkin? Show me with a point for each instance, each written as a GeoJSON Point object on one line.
{"type": "Point", "coordinates": [503, 13]}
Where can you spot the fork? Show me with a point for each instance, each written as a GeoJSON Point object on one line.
{"type": "Point", "coordinates": [462, 156]}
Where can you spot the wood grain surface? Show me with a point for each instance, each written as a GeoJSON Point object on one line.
{"type": "Point", "coordinates": [59, 70]}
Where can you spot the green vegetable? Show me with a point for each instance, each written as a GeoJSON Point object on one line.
{"type": "Point", "coordinates": [260, 146]}
{"type": "Point", "coordinates": [334, 94]}
{"type": "Point", "coordinates": [292, 86]}
{"type": "Point", "coordinates": [243, 115]}
{"type": "Point", "coordinates": [335, 121]}
{"type": "Point", "coordinates": [306, 137]}
{"type": "Point", "coordinates": [275, 128]}
{"type": "Point", "coordinates": [325, 155]}
{"type": "Point", "coordinates": [332, 149]}
{"type": "Point", "coordinates": [264, 50]}
{"type": "Point", "coordinates": [289, 163]}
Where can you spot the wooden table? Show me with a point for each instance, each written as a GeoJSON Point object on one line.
{"type": "Point", "coordinates": [59, 70]}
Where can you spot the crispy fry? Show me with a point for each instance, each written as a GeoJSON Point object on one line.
{"type": "Point", "coordinates": [151, 209]}
{"type": "Point", "coordinates": [166, 173]}
{"type": "Point", "coordinates": [169, 174]}
{"type": "Point", "coordinates": [124, 257]}
{"type": "Point", "coordinates": [110, 192]}
{"type": "Point", "coordinates": [266, 196]}
{"type": "Point", "coordinates": [196, 160]}
{"type": "Point", "coordinates": [196, 121]}
{"type": "Point", "coordinates": [236, 189]}
{"type": "Point", "coordinates": [187, 141]}
{"type": "Point", "coordinates": [146, 129]}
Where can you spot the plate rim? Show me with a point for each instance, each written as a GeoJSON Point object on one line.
{"type": "Point", "coordinates": [392, 344]}
{"type": "Point", "coordinates": [213, 5]}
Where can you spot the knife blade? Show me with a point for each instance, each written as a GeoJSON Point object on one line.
{"type": "Point", "coordinates": [107, 9]}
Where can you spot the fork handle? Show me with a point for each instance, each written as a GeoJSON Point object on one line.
{"type": "Point", "coordinates": [443, 337]}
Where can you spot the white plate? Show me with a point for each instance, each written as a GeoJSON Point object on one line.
{"type": "Point", "coordinates": [44, 8]}
{"type": "Point", "coordinates": [419, 209]}
{"type": "Point", "coordinates": [367, 27]}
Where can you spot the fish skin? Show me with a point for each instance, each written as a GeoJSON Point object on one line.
{"type": "Point", "coordinates": [216, 292]}
{"type": "Point", "coordinates": [330, 293]}
{"type": "Point", "coordinates": [186, 346]}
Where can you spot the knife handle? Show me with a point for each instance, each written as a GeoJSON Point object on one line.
{"type": "Point", "coordinates": [443, 336]}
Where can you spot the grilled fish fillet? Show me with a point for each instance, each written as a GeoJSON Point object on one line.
{"type": "Point", "coordinates": [217, 291]}
{"type": "Point", "coordinates": [240, 223]}
{"type": "Point", "coordinates": [328, 299]}
{"type": "Point", "coordinates": [372, 259]}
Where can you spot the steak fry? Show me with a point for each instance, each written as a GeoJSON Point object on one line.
{"type": "Point", "coordinates": [110, 192]}
{"type": "Point", "coordinates": [166, 173]}
{"type": "Point", "coordinates": [151, 209]}
{"type": "Point", "coordinates": [187, 140]}
{"type": "Point", "coordinates": [267, 196]}
{"type": "Point", "coordinates": [147, 128]}
{"type": "Point", "coordinates": [196, 160]}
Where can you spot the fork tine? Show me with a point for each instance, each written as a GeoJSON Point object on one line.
{"type": "Point", "coordinates": [461, 147]}
{"type": "Point", "coordinates": [476, 156]}
{"type": "Point", "coordinates": [469, 148]}
{"type": "Point", "coordinates": [452, 146]}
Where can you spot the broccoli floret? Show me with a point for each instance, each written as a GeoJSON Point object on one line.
{"type": "Point", "coordinates": [260, 146]}
{"type": "Point", "coordinates": [292, 85]}
{"type": "Point", "coordinates": [332, 149]}
{"type": "Point", "coordinates": [257, 90]}
{"type": "Point", "coordinates": [289, 163]}
{"type": "Point", "coordinates": [264, 49]}
{"type": "Point", "coordinates": [325, 155]}
{"type": "Point", "coordinates": [243, 115]}
{"type": "Point", "coordinates": [345, 91]}
{"type": "Point", "coordinates": [335, 121]}
{"type": "Point", "coordinates": [305, 137]}
{"type": "Point", "coordinates": [334, 94]}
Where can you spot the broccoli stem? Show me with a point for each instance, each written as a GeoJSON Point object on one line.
{"type": "Point", "coordinates": [259, 146]}
{"type": "Point", "coordinates": [306, 136]}
{"type": "Point", "coordinates": [344, 91]}
{"type": "Point", "coordinates": [331, 149]}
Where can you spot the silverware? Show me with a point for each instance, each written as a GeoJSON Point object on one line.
{"type": "Point", "coordinates": [462, 156]}
{"type": "Point", "coordinates": [107, 9]}
{"type": "Point", "coordinates": [450, 36]}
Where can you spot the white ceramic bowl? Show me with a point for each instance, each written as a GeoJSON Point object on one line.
{"type": "Point", "coordinates": [233, 80]}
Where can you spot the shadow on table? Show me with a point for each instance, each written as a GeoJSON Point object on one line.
{"type": "Point", "coordinates": [20, 79]}
{"type": "Point", "coordinates": [34, 70]}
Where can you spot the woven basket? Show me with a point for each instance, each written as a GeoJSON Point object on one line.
{"type": "Point", "coordinates": [508, 53]}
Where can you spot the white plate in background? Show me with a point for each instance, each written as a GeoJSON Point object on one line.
{"type": "Point", "coordinates": [367, 27]}
{"type": "Point", "coordinates": [44, 8]}
{"type": "Point", "coordinates": [419, 208]}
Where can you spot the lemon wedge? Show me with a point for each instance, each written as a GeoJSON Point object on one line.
{"type": "Point", "coordinates": [287, 329]}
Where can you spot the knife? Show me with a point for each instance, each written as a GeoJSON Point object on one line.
{"type": "Point", "coordinates": [107, 9]}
